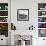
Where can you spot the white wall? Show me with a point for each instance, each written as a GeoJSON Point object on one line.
{"type": "Point", "coordinates": [24, 4]}
{"type": "Point", "coordinates": [32, 5]}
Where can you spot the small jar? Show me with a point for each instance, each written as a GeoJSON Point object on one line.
{"type": "Point", "coordinates": [43, 13]}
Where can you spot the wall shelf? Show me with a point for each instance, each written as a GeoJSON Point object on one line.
{"type": "Point", "coordinates": [3, 10]}
{"type": "Point", "coordinates": [41, 28]}
{"type": "Point", "coordinates": [42, 19]}
{"type": "Point", "coordinates": [3, 16]}
{"type": "Point", "coordinates": [41, 10]}
{"type": "Point", "coordinates": [42, 16]}
{"type": "Point", "coordinates": [3, 22]}
{"type": "Point", "coordinates": [41, 22]}
{"type": "Point", "coordinates": [4, 19]}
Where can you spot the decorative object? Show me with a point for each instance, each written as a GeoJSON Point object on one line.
{"type": "Point", "coordinates": [22, 43]}
{"type": "Point", "coordinates": [6, 7]}
{"type": "Point", "coordinates": [13, 27]}
{"type": "Point", "coordinates": [42, 33]}
{"type": "Point", "coordinates": [4, 29]}
{"type": "Point", "coordinates": [42, 19]}
{"type": "Point", "coordinates": [41, 25]}
{"type": "Point", "coordinates": [3, 13]}
{"type": "Point", "coordinates": [0, 7]}
{"type": "Point", "coordinates": [23, 40]}
{"type": "Point", "coordinates": [31, 27]}
{"type": "Point", "coordinates": [41, 6]}
{"type": "Point", "coordinates": [3, 6]}
{"type": "Point", "coordinates": [22, 14]}
{"type": "Point", "coordinates": [43, 13]}
{"type": "Point", "coordinates": [3, 19]}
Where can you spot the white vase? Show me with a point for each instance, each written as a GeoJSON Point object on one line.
{"type": "Point", "coordinates": [22, 43]}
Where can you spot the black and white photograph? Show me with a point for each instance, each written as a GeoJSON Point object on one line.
{"type": "Point", "coordinates": [22, 14]}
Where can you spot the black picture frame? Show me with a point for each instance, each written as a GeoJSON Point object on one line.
{"type": "Point", "coordinates": [22, 14]}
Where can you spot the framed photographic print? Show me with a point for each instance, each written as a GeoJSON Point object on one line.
{"type": "Point", "coordinates": [22, 14]}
